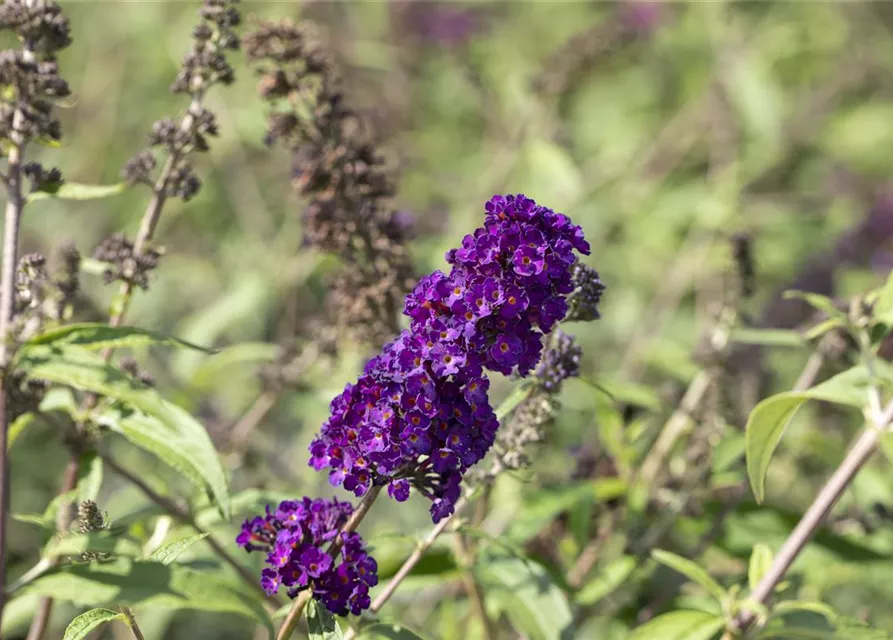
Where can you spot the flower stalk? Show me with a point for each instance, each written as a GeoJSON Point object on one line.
{"type": "Point", "coordinates": [303, 597]}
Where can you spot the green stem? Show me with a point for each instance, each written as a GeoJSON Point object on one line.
{"type": "Point", "coordinates": [291, 621]}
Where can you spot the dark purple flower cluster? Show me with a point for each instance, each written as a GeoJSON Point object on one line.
{"type": "Point", "coordinates": [295, 537]}
{"type": "Point", "coordinates": [419, 416]}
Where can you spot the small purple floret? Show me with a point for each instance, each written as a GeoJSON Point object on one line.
{"type": "Point", "coordinates": [296, 537]}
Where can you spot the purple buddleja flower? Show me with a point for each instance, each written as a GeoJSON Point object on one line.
{"type": "Point", "coordinates": [419, 416]}
{"type": "Point", "coordinates": [295, 537]}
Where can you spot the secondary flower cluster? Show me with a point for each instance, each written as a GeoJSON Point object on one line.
{"type": "Point", "coordinates": [419, 415]}
{"type": "Point", "coordinates": [295, 537]}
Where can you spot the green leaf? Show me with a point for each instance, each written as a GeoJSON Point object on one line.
{"type": "Point", "coordinates": [770, 418]}
{"type": "Point", "coordinates": [321, 623]}
{"type": "Point", "coordinates": [541, 507]}
{"type": "Point", "coordinates": [680, 625]}
{"type": "Point", "coordinates": [795, 606]}
{"type": "Point", "coordinates": [822, 328]}
{"type": "Point", "coordinates": [691, 571]}
{"type": "Point", "coordinates": [640, 395]}
{"type": "Point", "coordinates": [95, 335]}
{"type": "Point", "coordinates": [159, 426]}
{"type": "Point", "coordinates": [760, 561]}
{"type": "Point", "coordinates": [238, 357]}
{"type": "Point", "coordinates": [170, 552]}
{"type": "Point", "coordinates": [99, 542]}
{"type": "Point", "coordinates": [47, 519]}
{"type": "Point", "coordinates": [822, 303]}
{"type": "Point", "coordinates": [169, 445]}
{"type": "Point", "coordinates": [89, 476]}
{"type": "Point", "coordinates": [850, 629]}
{"type": "Point", "coordinates": [516, 397]}
{"type": "Point", "coordinates": [767, 337]}
{"type": "Point", "coordinates": [534, 604]}
{"type": "Point", "coordinates": [76, 191]}
{"type": "Point", "coordinates": [17, 427]}
{"type": "Point", "coordinates": [81, 626]}
{"type": "Point", "coordinates": [796, 633]}
{"type": "Point", "coordinates": [388, 632]}
{"type": "Point", "coordinates": [129, 582]}
{"type": "Point", "coordinates": [607, 580]}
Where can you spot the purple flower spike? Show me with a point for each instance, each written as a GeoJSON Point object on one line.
{"type": "Point", "coordinates": [419, 416]}
{"type": "Point", "coordinates": [296, 536]}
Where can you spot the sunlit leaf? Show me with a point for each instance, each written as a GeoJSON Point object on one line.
{"type": "Point", "coordinates": [98, 336]}
{"type": "Point", "coordinates": [770, 418]}
{"type": "Point", "coordinates": [77, 191]}
{"type": "Point", "coordinates": [170, 552]}
{"type": "Point", "coordinates": [321, 624]}
{"type": "Point", "coordinates": [148, 584]}
{"type": "Point", "coordinates": [162, 427]}
{"type": "Point", "coordinates": [89, 476]}
{"type": "Point", "coordinates": [795, 606]}
{"type": "Point", "coordinates": [760, 561]}
{"type": "Point", "coordinates": [607, 580]}
{"type": "Point", "coordinates": [18, 427]}
{"type": "Point", "coordinates": [691, 571]}
{"type": "Point", "coordinates": [534, 604]}
{"type": "Point", "coordinates": [99, 542]}
{"type": "Point", "coordinates": [767, 337]}
{"type": "Point", "coordinates": [820, 302]}
{"type": "Point", "coordinates": [680, 625]}
{"type": "Point", "coordinates": [81, 626]}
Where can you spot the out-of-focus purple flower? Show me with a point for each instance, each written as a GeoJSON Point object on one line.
{"type": "Point", "coordinates": [419, 415]}
{"type": "Point", "coordinates": [641, 17]}
{"type": "Point", "coordinates": [294, 537]}
{"type": "Point", "coordinates": [439, 23]}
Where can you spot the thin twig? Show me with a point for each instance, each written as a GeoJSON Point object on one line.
{"type": "Point", "coordinates": [153, 213]}
{"type": "Point", "coordinates": [185, 517]}
{"type": "Point", "coordinates": [805, 380]}
{"type": "Point", "coordinates": [131, 622]}
{"type": "Point", "coordinates": [64, 518]}
{"type": "Point", "coordinates": [465, 555]}
{"type": "Point", "coordinates": [814, 516]}
{"type": "Point", "coordinates": [13, 221]}
{"type": "Point", "coordinates": [410, 563]}
{"type": "Point", "coordinates": [291, 621]}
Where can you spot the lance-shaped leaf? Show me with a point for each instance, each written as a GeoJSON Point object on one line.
{"type": "Point", "coordinates": [77, 191]}
{"type": "Point", "coordinates": [170, 552]}
{"type": "Point", "coordinates": [770, 418]}
{"type": "Point", "coordinates": [129, 582]}
{"type": "Point", "coordinates": [691, 571]}
{"type": "Point", "coordinates": [96, 336]}
{"type": "Point", "coordinates": [680, 625]}
{"type": "Point", "coordinates": [157, 425]}
{"type": "Point", "coordinates": [532, 601]}
{"type": "Point", "coordinates": [81, 626]}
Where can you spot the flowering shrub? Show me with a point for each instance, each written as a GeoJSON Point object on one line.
{"type": "Point", "coordinates": [295, 537]}
{"type": "Point", "coordinates": [419, 416]}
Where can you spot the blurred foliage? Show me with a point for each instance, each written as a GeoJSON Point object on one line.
{"type": "Point", "coordinates": [665, 130]}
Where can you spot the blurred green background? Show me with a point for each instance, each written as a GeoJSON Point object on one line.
{"type": "Point", "coordinates": [663, 129]}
